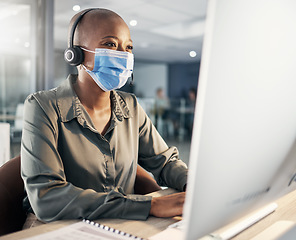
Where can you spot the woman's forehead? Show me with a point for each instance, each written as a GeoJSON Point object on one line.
{"type": "Point", "coordinates": [96, 26]}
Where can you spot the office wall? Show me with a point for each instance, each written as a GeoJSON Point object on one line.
{"type": "Point", "coordinates": [182, 77]}
{"type": "Point", "coordinates": [15, 81]}
{"type": "Point", "coordinates": [148, 77]}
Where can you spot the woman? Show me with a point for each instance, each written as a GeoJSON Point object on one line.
{"type": "Point", "coordinates": [82, 141]}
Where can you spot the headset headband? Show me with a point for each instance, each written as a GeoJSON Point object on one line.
{"type": "Point", "coordinates": [71, 40]}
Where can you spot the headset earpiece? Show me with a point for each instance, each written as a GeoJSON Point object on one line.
{"type": "Point", "coordinates": [74, 55]}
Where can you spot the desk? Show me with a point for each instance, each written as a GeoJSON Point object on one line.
{"type": "Point", "coordinates": [143, 229]}
{"type": "Point", "coordinates": [286, 211]}
{"type": "Point", "coordinates": [8, 117]}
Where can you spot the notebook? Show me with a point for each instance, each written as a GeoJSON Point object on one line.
{"type": "Point", "coordinates": [85, 230]}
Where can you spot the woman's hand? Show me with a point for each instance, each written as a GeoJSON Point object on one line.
{"type": "Point", "coordinates": [168, 206]}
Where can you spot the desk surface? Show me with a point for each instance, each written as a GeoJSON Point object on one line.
{"type": "Point", "coordinates": [286, 211]}
{"type": "Point", "coordinates": [8, 117]}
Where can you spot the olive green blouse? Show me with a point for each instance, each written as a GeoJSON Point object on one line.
{"type": "Point", "coordinates": [71, 171]}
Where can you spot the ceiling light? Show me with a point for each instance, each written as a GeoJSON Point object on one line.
{"type": "Point", "coordinates": [133, 23]}
{"type": "Point", "coordinates": [27, 44]}
{"type": "Point", "coordinates": [192, 54]}
{"type": "Point", "coordinates": [76, 8]}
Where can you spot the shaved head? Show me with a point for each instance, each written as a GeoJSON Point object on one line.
{"type": "Point", "coordinates": [91, 21]}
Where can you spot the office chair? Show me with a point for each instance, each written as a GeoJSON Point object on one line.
{"type": "Point", "coordinates": [12, 216]}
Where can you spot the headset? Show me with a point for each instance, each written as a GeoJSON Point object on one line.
{"type": "Point", "coordinates": [74, 54]}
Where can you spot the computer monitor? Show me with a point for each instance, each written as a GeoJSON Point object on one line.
{"type": "Point", "coordinates": [243, 150]}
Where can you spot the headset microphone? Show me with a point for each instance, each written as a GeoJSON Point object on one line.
{"type": "Point", "coordinates": [131, 83]}
{"type": "Point", "coordinates": [74, 54]}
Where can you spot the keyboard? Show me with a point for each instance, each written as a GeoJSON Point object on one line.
{"type": "Point", "coordinates": [178, 225]}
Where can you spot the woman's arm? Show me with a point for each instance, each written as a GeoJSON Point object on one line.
{"type": "Point", "coordinates": [145, 183]}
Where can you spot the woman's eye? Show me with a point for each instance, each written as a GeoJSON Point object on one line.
{"type": "Point", "coordinates": [130, 48]}
{"type": "Point", "coordinates": [110, 44]}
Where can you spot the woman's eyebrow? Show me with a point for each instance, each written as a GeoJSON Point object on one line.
{"type": "Point", "coordinates": [114, 38]}
{"type": "Point", "coordinates": [110, 37]}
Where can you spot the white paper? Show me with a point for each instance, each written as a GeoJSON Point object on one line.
{"type": "Point", "coordinates": [83, 230]}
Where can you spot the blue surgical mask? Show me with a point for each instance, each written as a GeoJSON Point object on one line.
{"type": "Point", "coordinates": [111, 68]}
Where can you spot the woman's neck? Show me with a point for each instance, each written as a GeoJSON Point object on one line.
{"type": "Point", "coordinates": [91, 95]}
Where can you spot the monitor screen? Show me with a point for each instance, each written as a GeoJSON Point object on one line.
{"type": "Point", "coordinates": [243, 150]}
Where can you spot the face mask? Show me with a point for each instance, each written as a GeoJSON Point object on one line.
{"type": "Point", "coordinates": [111, 68]}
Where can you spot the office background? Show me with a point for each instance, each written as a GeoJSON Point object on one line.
{"type": "Point", "coordinates": [167, 36]}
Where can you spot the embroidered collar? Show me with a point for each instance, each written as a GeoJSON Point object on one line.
{"type": "Point", "coordinates": [70, 106]}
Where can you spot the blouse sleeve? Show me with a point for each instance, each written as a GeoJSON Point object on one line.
{"type": "Point", "coordinates": [159, 159]}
